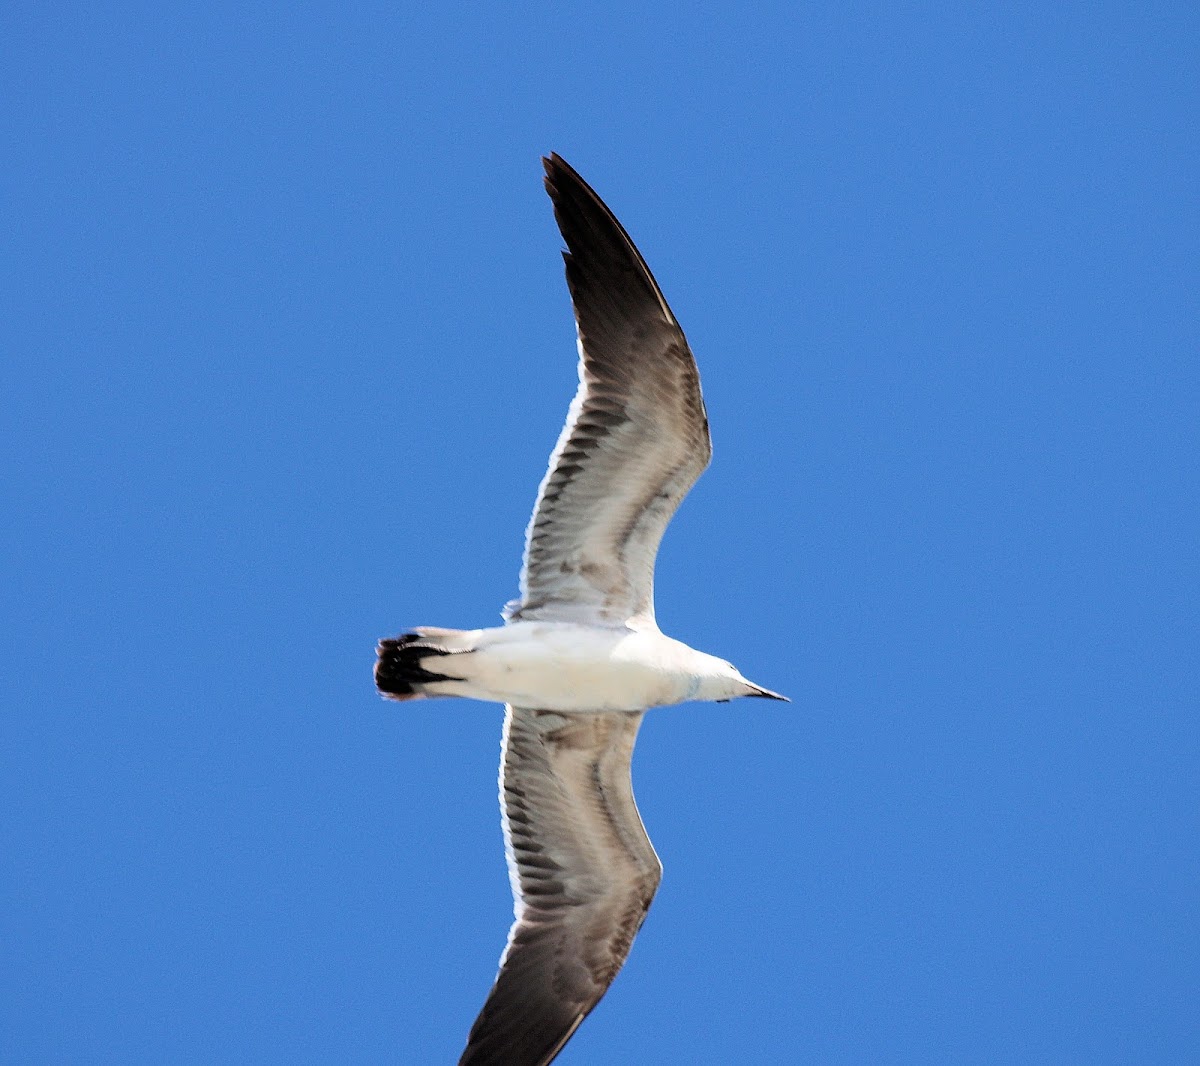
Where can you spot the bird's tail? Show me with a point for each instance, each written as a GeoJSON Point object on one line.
{"type": "Point", "coordinates": [408, 663]}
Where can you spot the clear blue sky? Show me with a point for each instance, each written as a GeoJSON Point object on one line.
{"type": "Point", "coordinates": [287, 344]}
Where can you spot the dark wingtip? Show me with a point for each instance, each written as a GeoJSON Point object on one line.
{"type": "Point", "coordinates": [555, 162]}
{"type": "Point", "coordinates": [550, 164]}
{"type": "Point", "coordinates": [557, 169]}
{"type": "Point", "coordinates": [560, 174]}
{"type": "Point", "coordinates": [600, 251]}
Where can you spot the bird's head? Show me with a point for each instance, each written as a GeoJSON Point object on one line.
{"type": "Point", "coordinates": [722, 681]}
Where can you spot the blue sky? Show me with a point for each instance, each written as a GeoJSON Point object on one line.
{"type": "Point", "coordinates": [288, 344]}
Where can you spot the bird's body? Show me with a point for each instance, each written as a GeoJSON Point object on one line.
{"type": "Point", "coordinates": [581, 657]}
{"type": "Point", "coordinates": [565, 666]}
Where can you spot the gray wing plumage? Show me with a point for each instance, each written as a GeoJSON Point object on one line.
{"type": "Point", "coordinates": [636, 437]}
{"type": "Point", "coordinates": [583, 874]}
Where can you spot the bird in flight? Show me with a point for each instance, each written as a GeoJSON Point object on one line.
{"type": "Point", "coordinates": [581, 658]}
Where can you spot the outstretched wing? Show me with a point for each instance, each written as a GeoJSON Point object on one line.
{"type": "Point", "coordinates": [636, 436]}
{"type": "Point", "coordinates": [583, 874]}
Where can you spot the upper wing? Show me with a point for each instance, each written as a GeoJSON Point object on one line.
{"type": "Point", "coordinates": [636, 437]}
{"type": "Point", "coordinates": [583, 874]}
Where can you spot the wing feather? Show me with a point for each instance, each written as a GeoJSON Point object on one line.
{"type": "Point", "coordinates": [636, 436]}
{"type": "Point", "coordinates": [583, 873]}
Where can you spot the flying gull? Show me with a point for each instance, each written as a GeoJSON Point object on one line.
{"type": "Point", "coordinates": [580, 658]}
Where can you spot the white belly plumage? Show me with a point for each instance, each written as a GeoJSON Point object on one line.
{"type": "Point", "coordinates": [565, 667]}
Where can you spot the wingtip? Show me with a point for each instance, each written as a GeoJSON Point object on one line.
{"type": "Point", "coordinates": [556, 168]}
{"type": "Point", "coordinates": [559, 174]}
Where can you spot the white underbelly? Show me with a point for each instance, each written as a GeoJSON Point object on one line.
{"type": "Point", "coordinates": [567, 668]}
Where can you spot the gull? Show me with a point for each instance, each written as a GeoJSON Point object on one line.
{"type": "Point", "coordinates": [581, 658]}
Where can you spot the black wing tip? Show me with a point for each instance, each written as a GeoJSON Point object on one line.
{"type": "Point", "coordinates": [562, 181]}
{"type": "Point", "coordinates": [598, 244]}
{"type": "Point", "coordinates": [554, 164]}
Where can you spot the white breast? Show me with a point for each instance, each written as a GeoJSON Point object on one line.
{"type": "Point", "coordinates": [565, 667]}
